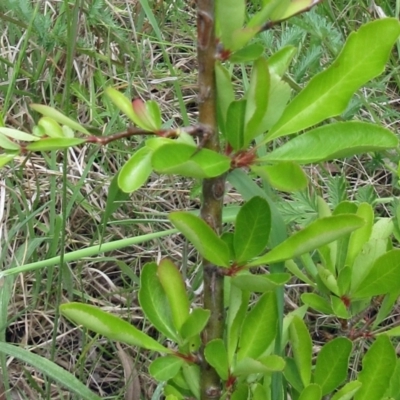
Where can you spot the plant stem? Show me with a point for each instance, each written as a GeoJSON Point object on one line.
{"type": "Point", "coordinates": [213, 190]}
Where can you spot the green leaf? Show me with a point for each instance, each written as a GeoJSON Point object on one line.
{"type": "Point", "coordinates": [217, 356]}
{"type": "Point", "coordinates": [337, 140]}
{"type": "Point", "coordinates": [52, 370]}
{"type": "Point", "coordinates": [175, 290]}
{"type": "Point", "coordinates": [225, 94]}
{"type": "Point", "coordinates": [136, 170]}
{"type": "Point", "coordinates": [18, 135]}
{"type": "Point", "coordinates": [328, 279]}
{"type": "Point", "coordinates": [153, 301]}
{"type": "Point", "coordinates": [115, 197]}
{"type": "Point", "coordinates": [165, 368]}
{"type": "Point", "coordinates": [328, 93]}
{"type": "Point", "coordinates": [8, 144]}
{"type": "Point", "coordinates": [186, 160]}
{"type": "Point", "coordinates": [195, 323]}
{"type": "Point", "coordinates": [279, 62]}
{"type": "Point", "coordinates": [265, 365]}
{"type": "Point", "coordinates": [59, 117]}
{"type": "Point", "coordinates": [339, 308]}
{"type": "Point", "coordinates": [317, 302]}
{"type": "Point", "coordinates": [192, 376]}
{"type": "Point", "coordinates": [241, 392]}
{"type": "Point", "coordinates": [154, 112]}
{"type": "Point", "coordinates": [348, 391]}
{"type": "Point", "coordinates": [247, 54]}
{"type": "Point", "coordinates": [359, 237]}
{"type": "Point", "coordinates": [302, 348]}
{"type": "Point", "coordinates": [284, 176]}
{"type": "Point", "coordinates": [311, 392]}
{"type": "Point", "coordinates": [257, 100]}
{"type": "Point", "coordinates": [317, 234]}
{"type": "Point", "coordinates": [259, 328]}
{"type": "Point", "coordinates": [227, 26]}
{"type": "Point", "coordinates": [292, 374]}
{"type": "Point", "coordinates": [394, 387]}
{"type": "Point", "coordinates": [238, 304]}
{"type": "Point", "coordinates": [51, 127]}
{"type": "Point", "coordinates": [260, 283]}
{"type": "Point", "coordinates": [125, 105]}
{"type": "Point", "coordinates": [382, 278]}
{"type": "Point", "coordinates": [203, 238]}
{"type": "Point", "coordinates": [332, 364]}
{"type": "Point", "coordinates": [378, 365]}
{"type": "Point", "coordinates": [51, 144]}
{"type": "Point", "coordinates": [234, 127]}
{"type": "Point", "coordinates": [6, 158]}
{"type": "Point", "coordinates": [252, 228]}
{"type": "Point", "coordinates": [110, 326]}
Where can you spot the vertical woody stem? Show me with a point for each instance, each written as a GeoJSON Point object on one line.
{"type": "Point", "coordinates": [213, 189]}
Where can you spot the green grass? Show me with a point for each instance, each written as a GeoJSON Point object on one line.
{"type": "Point", "coordinates": [52, 205]}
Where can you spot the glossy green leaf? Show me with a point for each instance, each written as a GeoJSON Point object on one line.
{"type": "Point", "coordinates": [226, 26]}
{"type": "Point", "coordinates": [339, 308]}
{"type": "Point", "coordinates": [337, 140]}
{"type": "Point", "coordinates": [6, 158]}
{"type": "Point", "coordinates": [51, 127]}
{"type": "Point", "coordinates": [257, 100]}
{"type": "Point", "coordinates": [317, 302]}
{"type": "Point", "coordinates": [292, 267]}
{"type": "Point", "coordinates": [284, 176]}
{"type": "Point", "coordinates": [115, 197]}
{"type": "Point", "coordinates": [136, 170]}
{"type": "Point", "coordinates": [382, 278]}
{"type": "Point", "coordinates": [378, 365]}
{"type": "Point", "coordinates": [18, 135]}
{"type": "Point", "coordinates": [394, 332]}
{"type": "Point", "coordinates": [294, 8]}
{"type": "Point", "coordinates": [259, 327]}
{"type": "Point", "coordinates": [359, 237]}
{"type": "Point", "coordinates": [153, 300]}
{"type": "Point", "coordinates": [328, 279]}
{"type": "Point", "coordinates": [165, 368]}
{"type": "Point", "coordinates": [51, 144]}
{"type": "Point", "coordinates": [175, 290]}
{"type": "Point", "coordinates": [154, 112]}
{"type": "Point", "coordinates": [279, 62]}
{"type": "Point", "coordinates": [260, 283]}
{"type": "Point", "coordinates": [247, 54]}
{"type": "Point", "coordinates": [238, 304]}
{"type": "Point", "coordinates": [348, 391]}
{"type": "Point", "coordinates": [217, 356]}
{"type": "Point", "coordinates": [234, 127]}
{"type": "Point", "coordinates": [311, 392]}
{"type": "Point", "coordinates": [203, 238]}
{"type": "Point", "coordinates": [59, 117]}
{"type": "Point", "coordinates": [195, 323]}
{"type": "Point", "coordinates": [301, 343]}
{"type": "Point", "coordinates": [344, 280]}
{"type": "Point", "coordinates": [125, 105]}
{"type": "Point", "coordinates": [332, 364]}
{"type": "Point", "coordinates": [318, 233]}
{"type": "Point", "coordinates": [252, 228]}
{"type": "Point", "coordinates": [52, 370]}
{"type": "Point", "coordinates": [328, 93]}
{"type": "Point", "coordinates": [249, 366]}
{"type": "Point", "coordinates": [144, 115]}
{"type": "Point", "coordinates": [192, 376]}
{"type": "Point", "coordinates": [241, 392]}
{"type": "Point", "coordinates": [225, 94]}
{"type": "Point", "coordinates": [8, 144]}
{"type": "Point", "coordinates": [110, 326]}
{"type": "Point", "coordinates": [292, 374]}
{"type": "Point", "coordinates": [186, 160]}
{"type": "Point", "coordinates": [394, 387]}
